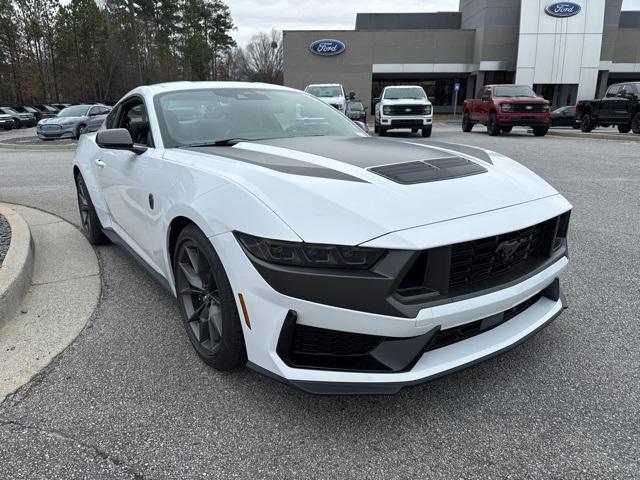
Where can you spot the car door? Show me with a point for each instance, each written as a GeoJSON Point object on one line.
{"type": "Point", "coordinates": [625, 103]}
{"type": "Point", "coordinates": [485, 104]}
{"type": "Point", "coordinates": [96, 116]}
{"type": "Point", "coordinates": [124, 178]}
{"type": "Point", "coordinates": [609, 104]}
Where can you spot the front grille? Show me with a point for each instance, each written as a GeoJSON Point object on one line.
{"type": "Point", "coordinates": [480, 260]}
{"type": "Point", "coordinates": [528, 107]}
{"type": "Point", "coordinates": [407, 110]}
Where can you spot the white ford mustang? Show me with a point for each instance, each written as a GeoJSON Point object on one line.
{"type": "Point", "coordinates": [325, 258]}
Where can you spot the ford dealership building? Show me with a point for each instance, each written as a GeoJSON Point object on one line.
{"type": "Point", "coordinates": [565, 50]}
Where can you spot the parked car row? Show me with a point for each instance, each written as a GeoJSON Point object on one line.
{"type": "Point", "coordinates": [73, 121]}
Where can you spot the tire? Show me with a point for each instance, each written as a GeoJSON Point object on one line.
{"type": "Point", "coordinates": [80, 129]}
{"type": "Point", "coordinates": [586, 123]}
{"type": "Point", "coordinates": [467, 124]}
{"type": "Point", "coordinates": [624, 128]}
{"type": "Point", "coordinates": [375, 128]}
{"type": "Point", "coordinates": [492, 125]}
{"type": "Point", "coordinates": [506, 129]}
{"type": "Point", "coordinates": [426, 131]}
{"type": "Point", "coordinates": [207, 302]}
{"type": "Point", "coordinates": [17, 123]}
{"type": "Point", "coordinates": [635, 122]}
{"type": "Point", "coordinates": [89, 221]}
{"type": "Point", "coordinates": [382, 132]}
{"type": "Point", "coordinates": [540, 131]}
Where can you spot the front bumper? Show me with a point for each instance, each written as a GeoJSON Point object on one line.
{"type": "Point", "coordinates": [6, 124]}
{"type": "Point", "coordinates": [271, 313]}
{"type": "Point", "coordinates": [55, 131]}
{"type": "Point", "coordinates": [406, 121]}
{"type": "Point", "coordinates": [524, 119]}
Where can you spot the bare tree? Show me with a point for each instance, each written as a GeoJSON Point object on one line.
{"type": "Point", "coordinates": [262, 58]}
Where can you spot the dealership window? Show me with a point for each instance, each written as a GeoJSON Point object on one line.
{"type": "Point", "coordinates": [439, 90]}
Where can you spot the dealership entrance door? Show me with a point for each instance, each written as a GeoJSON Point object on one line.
{"type": "Point", "coordinates": [438, 87]}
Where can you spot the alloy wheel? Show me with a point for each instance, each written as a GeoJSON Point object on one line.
{"type": "Point", "coordinates": [200, 297]}
{"type": "Point", "coordinates": [83, 206]}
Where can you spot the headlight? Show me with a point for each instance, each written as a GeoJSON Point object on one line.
{"type": "Point", "coordinates": [301, 254]}
{"type": "Point", "coordinates": [427, 110]}
{"type": "Point", "coordinates": [545, 109]}
{"type": "Point", "coordinates": [386, 110]}
{"type": "Point", "coordinates": [506, 107]}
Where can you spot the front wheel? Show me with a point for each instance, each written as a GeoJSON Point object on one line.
{"type": "Point", "coordinates": [376, 128]}
{"type": "Point", "coordinates": [540, 131]}
{"type": "Point", "coordinates": [467, 124]}
{"type": "Point", "coordinates": [426, 131]}
{"type": "Point", "coordinates": [80, 129]}
{"type": "Point", "coordinates": [635, 123]}
{"type": "Point", "coordinates": [89, 221]}
{"type": "Point", "coordinates": [382, 131]}
{"type": "Point", "coordinates": [207, 302]}
{"type": "Point", "coordinates": [492, 125]}
{"type": "Point", "coordinates": [586, 123]}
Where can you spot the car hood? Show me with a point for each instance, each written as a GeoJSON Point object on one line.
{"type": "Point", "coordinates": [59, 120]}
{"type": "Point", "coordinates": [333, 100]}
{"type": "Point", "coordinates": [324, 187]}
{"type": "Point", "coordinates": [521, 99]}
{"type": "Point", "coordinates": [406, 101]}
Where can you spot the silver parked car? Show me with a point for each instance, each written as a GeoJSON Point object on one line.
{"type": "Point", "coordinates": [71, 122]}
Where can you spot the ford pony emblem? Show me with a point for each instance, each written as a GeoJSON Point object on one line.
{"type": "Point", "coordinates": [563, 9]}
{"type": "Point", "coordinates": [327, 47]}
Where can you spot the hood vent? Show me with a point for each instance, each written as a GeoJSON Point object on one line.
{"type": "Point", "coordinates": [431, 170]}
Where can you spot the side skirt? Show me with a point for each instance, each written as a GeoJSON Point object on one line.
{"type": "Point", "coordinates": [116, 239]}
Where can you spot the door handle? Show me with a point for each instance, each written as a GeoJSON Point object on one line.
{"type": "Point", "coordinates": [99, 163]}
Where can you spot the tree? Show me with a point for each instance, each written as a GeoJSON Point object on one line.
{"type": "Point", "coordinates": [263, 60]}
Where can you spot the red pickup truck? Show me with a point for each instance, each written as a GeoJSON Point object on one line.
{"type": "Point", "coordinates": [501, 107]}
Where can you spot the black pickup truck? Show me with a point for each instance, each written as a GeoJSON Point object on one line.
{"type": "Point", "coordinates": [620, 106]}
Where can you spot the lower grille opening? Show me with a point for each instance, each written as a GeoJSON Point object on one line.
{"type": "Point", "coordinates": [468, 330]}
{"type": "Point", "coordinates": [303, 346]}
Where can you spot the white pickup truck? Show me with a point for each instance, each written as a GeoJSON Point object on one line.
{"type": "Point", "coordinates": [403, 106]}
{"type": "Point", "coordinates": [330, 93]}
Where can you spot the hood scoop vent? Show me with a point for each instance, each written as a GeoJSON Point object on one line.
{"type": "Point", "coordinates": [431, 170]}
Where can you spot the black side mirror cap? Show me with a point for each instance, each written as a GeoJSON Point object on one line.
{"type": "Point", "coordinates": [118, 139]}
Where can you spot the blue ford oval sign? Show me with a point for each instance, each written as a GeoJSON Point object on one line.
{"type": "Point", "coordinates": [563, 9]}
{"type": "Point", "coordinates": [327, 47]}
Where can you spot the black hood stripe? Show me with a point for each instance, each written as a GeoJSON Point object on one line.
{"type": "Point", "coordinates": [278, 163]}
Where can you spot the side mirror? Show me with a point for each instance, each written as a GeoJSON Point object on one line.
{"type": "Point", "coordinates": [118, 139]}
{"type": "Point", "coordinates": [363, 126]}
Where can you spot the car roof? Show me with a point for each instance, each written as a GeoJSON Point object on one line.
{"type": "Point", "coordinates": [507, 85]}
{"type": "Point", "coordinates": [181, 86]}
{"type": "Point", "coordinates": [324, 85]}
{"type": "Point", "coordinates": [404, 86]}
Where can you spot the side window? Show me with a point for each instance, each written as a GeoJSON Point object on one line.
{"type": "Point", "coordinates": [134, 118]}
{"type": "Point", "coordinates": [613, 91]}
{"type": "Point", "coordinates": [93, 111]}
{"type": "Point", "coordinates": [111, 121]}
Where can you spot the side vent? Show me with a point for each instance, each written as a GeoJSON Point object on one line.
{"type": "Point", "coordinates": [424, 171]}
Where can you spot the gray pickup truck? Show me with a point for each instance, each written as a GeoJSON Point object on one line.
{"type": "Point", "coordinates": [620, 106]}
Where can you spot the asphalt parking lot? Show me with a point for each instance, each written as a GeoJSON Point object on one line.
{"type": "Point", "coordinates": [130, 398]}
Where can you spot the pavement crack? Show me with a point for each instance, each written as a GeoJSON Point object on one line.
{"type": "Point", "coordinates": [79, 277]}
{"type": "Point", "coordinates": [97, 451]}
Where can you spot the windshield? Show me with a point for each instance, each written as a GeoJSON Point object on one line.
{"type": "Point", "coordinates": [9, 111]}
{"type": "Point", "coordinates": [324, 91]}
{"type": "Point", "coordinates": [205, 116]}
{"type": "Point", "coordinates": [77, 111]}
{"type": "Point", "coordinates": [515, 91]}
{"type": "Point", "coordinates": [415, 93]}
{"type": "Point", "coordinates": [356, 106]}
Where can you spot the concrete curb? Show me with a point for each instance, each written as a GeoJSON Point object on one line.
{"type": "Point", "coordinates": [17, 268]}
{"type": "Point", "coordinates": [616, 137]}
{"type": "Point", "coordinates": [41, 148]}
{"type": "Point", "coordinates": [63, 294]}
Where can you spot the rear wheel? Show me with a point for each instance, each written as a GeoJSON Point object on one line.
{"type": "Point", "coordinates": [624, 128]}
{"type": "Point", "coordinates": [426, 131]}
{"type": "Point", "coordinates": [492, 125]}
{"type": "Point", "coordinates": [467, 124]}
{"type": "Point", "coordinates": [635, 122]}
{"type": "Point", "coordinates": [586, 123]}
{"type": "Point", "coordinates": [207, 302]}
{"type": "Point", "coordinates": [540, 131]}
{"type": "Point", "coordinates": [80, 129]}
{"type": "Point", "coordinates": [89, 221]}
{"type": "Point", "coordinates": [506, 129]}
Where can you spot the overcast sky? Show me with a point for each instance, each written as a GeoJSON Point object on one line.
{"type": "Point", "coordinates": [251, 16]}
